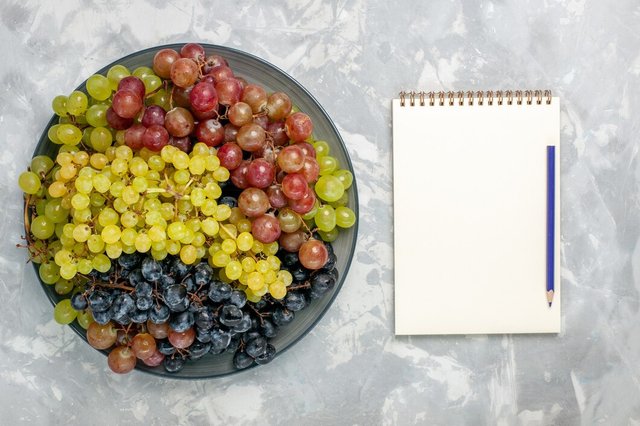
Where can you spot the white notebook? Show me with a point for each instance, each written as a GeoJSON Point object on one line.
{"type": "Point", "coordinates": [476, 212]}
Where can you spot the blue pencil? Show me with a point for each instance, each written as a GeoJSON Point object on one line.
{"type": "Point", "coordinates": [551, 220]}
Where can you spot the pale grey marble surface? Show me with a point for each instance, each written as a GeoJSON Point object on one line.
{"type": "Point", "coordinates": [354, 56]}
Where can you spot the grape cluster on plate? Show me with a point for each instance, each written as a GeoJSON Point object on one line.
{"type": "Point", "coordinates": [187, 212]}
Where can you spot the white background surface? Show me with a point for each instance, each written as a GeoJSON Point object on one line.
{"type": "Point", "coordinates": [354, 56]}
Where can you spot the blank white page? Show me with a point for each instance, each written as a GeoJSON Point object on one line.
{"type": "Point", "coordinates": [470, 218]}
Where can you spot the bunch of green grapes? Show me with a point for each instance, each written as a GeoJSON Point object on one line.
{"type": "Point", "coordinates": [332, 188]}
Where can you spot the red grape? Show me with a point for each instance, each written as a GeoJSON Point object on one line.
{"type": "Point", "coordinates": [277, 199]}
{"type": "Point", "coordinates": [159, 331]}
{"type": "Point", "coordinates": [305, 204]}
{"type": "Point", "coordinates": [182, 340]}
{"type": "Point", "coordinates": [183, 143]}
{"type": "Point", "coordinates": [133, 84]}
{"type": "Point", "coordinates": [265, 228]}
{"type": "Point", "coordinates": [294, 186]}
{"type": "Point", "coordinates": [116, 122]}
{"type": "Point", "coordinates": [155, 137]}
{"type": "Point", "coordinates": [240, 114]}
{"type": "Point", "coordinates": [179, 122]}
{"type": "Point", "coordinates": [230, 132]}
{"type": "Point", "coordinates": [290, 221]}
{"type": "Point", "coordinates": [267, 152]}
{"type": "Point", "coordinates": [143, 345]}
{"type": "Point", "coordinates": [298, 126]}
{"type": "Point", "coordinates": [229, 91]}
{"type": "Point", "coordinates": [203, 97]}
{"type": "Point", "coordinates": [213, 61]}
{"type": "Point", "coordinates": [291, 159]}
{"type": "Point", "coordinates": [154, 360]}
{"type": "Point", "coordinates": [180, 96]}
{"type": "Point", "coordinates": [163, 60]}
{"type": "Point", "coordinates": [121, 360]}
{"type": "Point", "coordinates": [313, 254]}
{"type": "Point", "coordinates": [230, 155]}
{"type": "Point", "coordinates": [184, 72]}
{"type": "Point", "coordinates": [276, 130]}
{"type": "Point", "coordinates": [133, 136]}
{"type": "Point", "coordinates": [262, 121]}
{"type": "Point", "coordinates": [255, 96]}
{"type": "Point", "coordinates": [126, 103]}
{"type": "Point", "coordinates": [311, 169]}
{"type": "Point", "coordinates": [307, 148]}
{"type": "Point", "coordinates": [220, 73]}
{"type": "Point", "coordinates": [253, 202]}
{"type": "Point", "coordinates": [193, 51]}
{"type": "Point", "coordinates": [292, 241]}
{"type": "Point", "coordinates": [210, 132]}
{"type": "Point", "coordinates": [278, 106]}
{"type": "Point", "coordinates": [243, 82]}
{"type": "Point", "coordinates": [251, 137]}
{"type": "Point", "coordinates": [205, 115]}
{"type": "Point", "coordinates": [239, 175]}
{"type": "Point", "coordinates": [261, 173]}
{"type": "Point", "coordinates": [154, 114]}
{"type": "Point", "coordinates": [101, 336]}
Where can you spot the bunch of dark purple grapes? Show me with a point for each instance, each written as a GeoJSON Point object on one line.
{"type": "Point", "coordinates": [166, 312]}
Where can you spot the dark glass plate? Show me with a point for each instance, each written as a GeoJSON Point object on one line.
{"type": "Point", "coordinates": [271, 78]}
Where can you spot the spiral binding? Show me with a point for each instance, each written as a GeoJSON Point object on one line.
{"type": "Point", "coordinates": [489, 97]}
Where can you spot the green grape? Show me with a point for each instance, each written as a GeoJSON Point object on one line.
{"type": "Point", "coordinates": [101, 183]}
{"type": "Point", "coordinates": [69, 134]}
{"type": "Point", "coordinates": [111, 234]}
{"type": "Point", "coordinates": [115, 74]}
{"type": "Point", "coordinates": [41, 207]}
{"type": "Point", "coordinates": [327, 165]}
{"type": "Point", "coordinates": [82, 215]}
{"type": "Point", "coordinates": [141, 72]}
{"type": "Point", "coordinates": [108, 216]}
{"type": "Point", "coordinates": [151, 83]}
{"type": "Point", "coordinates": [322, 148]}
{"type": "Point", "coordinates": [84, 266]}
{"type": "Point", "coordinates": [311, 213]}
{"type": "Point", "coordinates": [29, 182]}
{"type": "Point", "coordinates": [188, 254]}
{"type": "Point", "coordinates": [42, 227]}
{"type": "Point", "coordinates": [101, 263]}
{"type": "Point", "coordinates": [143, 243]}
{"type": "Point", "coordinates": [68, 271]}
{"type": "Point", "coordinates": [345, 217]}
{"type": "Point", "coordinates": [97, 200]}
{"type": "Point", "coordinates": [52, 134]}
{"type": "Point", "coordinates": [114, 250]}
{"type": "Point", "coordinates": [277, 289]}
{"type": "Point", "coordinates": [80, 201]}
{"type": "Point", "coordinates": [342, 201]}
{"type": "Point", "coordinates": [63, 313]}
{"type": "Point", "coordinates": [86, 135]}
{"type": "Point", "coordinates": [345, 177]}
{"type": "Point", "coordinates": [55, 212]}
{"type": "Point", "coordinates": [59, 105]}
{"type": "Point", "coordinates": [99, 87]}
{"type": "Point", "coordinates": [161, 98]}
{"type": "Point", "coordinates": [41, 165]}
{"type": "Point", "coordinates": [85, 318]}
{"type": "Point", "coordinates": [49, 272]}
{"type": "Point", "coordinates": [255, 281]}
{"type": "Point", "coordinates": [63, 286]}
{"type": "Point", "coordinates": [95, 244]}
{"type": "Point", "coordinates": [81, 232]}
{"type": "Point", "coordinates": [233, 270]}
{"type": "Point", "coordinates": [330, 236]}
{"type": "Point", "coordinates": [101, 139]}
{"type": "Point", "coordinates": [97, 115]}
{"type": "Point", "coordinates": [329, 188]}
{"type": "Point", "coordinates": [77, 103]}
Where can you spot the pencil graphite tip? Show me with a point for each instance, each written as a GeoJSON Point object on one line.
{"type": "Point", "coordinates": [550, 304]}
{"type": "Point", "coordinates": [550, 297]}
